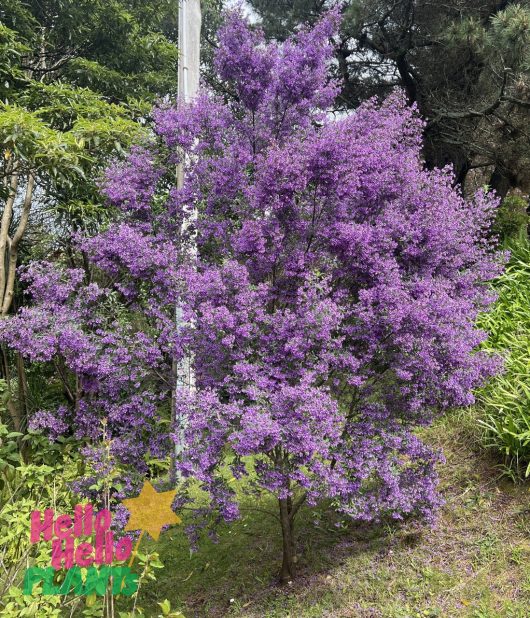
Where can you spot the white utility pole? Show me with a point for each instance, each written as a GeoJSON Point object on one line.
{"type": "Point", "coordinates": [189, 49]}
{"type": "Point", "coordinates": [189, 36]}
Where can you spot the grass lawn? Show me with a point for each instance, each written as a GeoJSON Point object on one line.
{"type": "Point", "coordinates": [474, 563]}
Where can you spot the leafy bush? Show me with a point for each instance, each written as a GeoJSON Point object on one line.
{"type": "Point", "coordinates": [41, 482]}
{"type": "Point", "coordinates": [328, 296]}
{"type": "Point", "coordinates": [25, 487]}
{"type": "Point", "coordinates": [506, 398]}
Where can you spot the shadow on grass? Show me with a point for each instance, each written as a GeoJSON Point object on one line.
{"type": "Point", "coordinates": [231, 575]}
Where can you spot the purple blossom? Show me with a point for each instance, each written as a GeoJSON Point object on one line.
{"type": "Point", "coordinates": [54, 425]}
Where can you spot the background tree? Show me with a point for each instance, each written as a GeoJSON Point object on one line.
{"type": "Point", "coordinates": [78, 82]}
{"type": "Point", "coordinates": [465, 64]}
{"type": "Point", "coordinates": [122, 49]}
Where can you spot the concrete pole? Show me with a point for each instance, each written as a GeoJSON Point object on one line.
{"type": "Point", "coordinates": [189, 34]}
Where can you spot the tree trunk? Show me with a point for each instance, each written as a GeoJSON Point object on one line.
{"type": "Point", "coordinates": [8, 286]}
{"type": "Point", "coordinates": [7, 215]}
{"type": "Point", "coordinates": [288, 540]}
{"type": "Point", "coordinates": [22, 389]}
{"type": "Point", "coordinates": [10, 405]}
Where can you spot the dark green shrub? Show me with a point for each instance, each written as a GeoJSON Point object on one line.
{"type": "Point", "coordinates": [511, 221]}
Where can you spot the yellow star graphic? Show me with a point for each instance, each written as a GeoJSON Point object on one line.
{"type": "Point", "coordinates": [151, 511]}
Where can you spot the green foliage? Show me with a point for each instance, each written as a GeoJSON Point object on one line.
{"type": "Point", "coordinates": [44, 483]}
{"type": "Point", "coordinates": [62, 134]}
{"type": "Point", "coordinates": [511, 29]}
{"type": "Point", "coordinates": [19, 605]}
{"type": "Point", "coordinates": [9, 454]}
{"type": "Point", "coordinates": [167, 612]}
{"type": "Point", "coordinates": [27, 139]}
{"type": "Point", "coordinates": [130, 39]}
{"type": "Point", "coordinates": [281, 17]}
{"type": "Point", "coordinates": [506, 399]}
{"type": "Point", "coordinates": [11, 50]}
{"type": "Point", "coordinates": [36, 482]}
{"type": "Point", "coordinates": [77, 82]}
{"type": "Point", "coordinates": [149, 563]}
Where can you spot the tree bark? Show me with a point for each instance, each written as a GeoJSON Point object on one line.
{"type": "Point", "coordinates": [501, 182]}
{"type": "Point", "coordinates": [288, 511]}
{"type": "Point", "coordinates": [8, 267]}
{"type": "Point", "coordinates": [7, 216]}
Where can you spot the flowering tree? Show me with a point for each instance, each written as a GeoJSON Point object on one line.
{"type": "Point", "coordinates": [328, 310]}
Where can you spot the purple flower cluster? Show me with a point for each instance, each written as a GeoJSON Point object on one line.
{"type": "Point", "coordinates": [327, 310]}
{"type": "Point", "coordinates": [54, 425]}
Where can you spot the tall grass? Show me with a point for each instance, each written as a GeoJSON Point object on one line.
{"type": "Point", "coordinates": [506, 399]}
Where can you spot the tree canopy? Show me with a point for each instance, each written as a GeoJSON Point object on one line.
{"type": "Point", "coordinates": [328, 286]}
